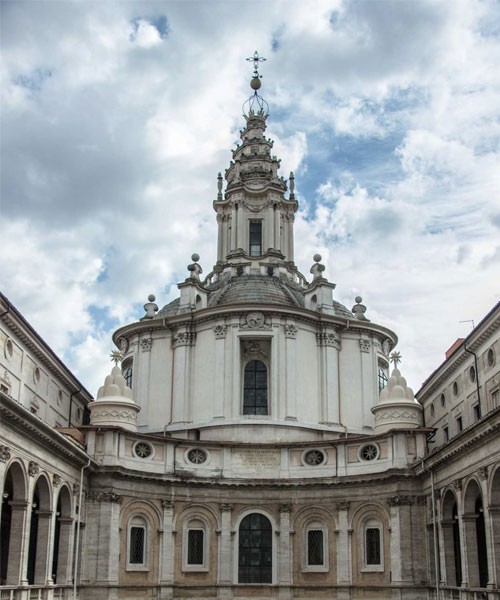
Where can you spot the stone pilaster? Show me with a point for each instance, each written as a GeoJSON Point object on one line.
{"type": "Point", "coordinates": [167, 549]}
{"type": "Point", "coordinates": [225, 551]}
{"type": "Point", "coordinates": [328, 346]}
{"type": "Point", "coordinates": [19, 538]}
{"type": "Point", "coordinates": [284, 547]}
{"type": "Point", "coordinates": [401, 563]}
{"type": "Point", "coordinates": [344, 576]}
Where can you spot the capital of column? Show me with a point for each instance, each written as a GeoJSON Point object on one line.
{"type": "Point", "coordinates": [285, 508]}
{"type": "Point", "coordinates": [226, 507]}
{"type": "Point", "coordinates": [344, 505]}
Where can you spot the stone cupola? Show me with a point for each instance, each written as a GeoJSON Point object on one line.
{"type": "Point", "coordinates": [255, 218]}
{"type": "Point", "coordinates": [114, 406]}
{"type": "Point", "coordinates": [397, 407]}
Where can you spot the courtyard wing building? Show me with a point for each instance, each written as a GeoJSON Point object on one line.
{"type": "Point", "coordinates": [255, 441]}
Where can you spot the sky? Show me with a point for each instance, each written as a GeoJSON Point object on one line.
{"type": "Point", "coordinates": [117, 116]}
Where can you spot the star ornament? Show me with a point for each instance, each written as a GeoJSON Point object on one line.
{"type": "Point", "coordinates": [116, 356]}
{"type": "Point", "coordinates": [395, 358]}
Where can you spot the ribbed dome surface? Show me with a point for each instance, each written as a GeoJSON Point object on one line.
{"type": "Point", "coordinates": [256, 289]}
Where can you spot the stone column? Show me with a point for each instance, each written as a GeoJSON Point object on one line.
{"type": "Point", "coordinates": [219, 236]}
{"type": "Point", "coordinates": [16, 568]}
{"type": "Point", "coordinates": [65, 555]}
{"type": "Point", "coordinates": [369, 399]}
{"type": "Point", "coordinates": [107, 544]}
{"type": "Point", "coordinates": [488, 528]}
{"type": "Point", "coordinates": [142, 361]}
{"type": "Point", "coordinates": [284, 548]}
{"type": "Point", "coordinates": [291, 362]}
{"type": "Point", "coordinates": [220, 332]}
{"type": "Point", "coordinates": [494, 513]}
{"type": "Point", "coordinates": [290, 220]}
{"type": "Point", "coordinates": [166, 569]}
{"type": "Point", "coordinates": [329, 345]}
{"type": "Point", "coordinates": [241, 230]}
{"type": "Point", "coordinates": [401, 563]}
{"type": "Point", "coordinates": [181, 344]}
{"type": "Point", "coordinates": [277, 240]}
{"type": "Point", "coordinates": [234, 227]}
{"type": "Point", "coordinates": [225, 553]}
{"type": "Point", "coordinates": [344, 575]}
{"type": "Point", "coordinates": [469, 549]}
{"type": "Point", "coordinates": [268, 226]}
{"type": "Point", "coordinates": [43, 548]}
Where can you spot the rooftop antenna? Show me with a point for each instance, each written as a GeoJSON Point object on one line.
{"type": "Point", "coordinates": [468, 321]}
{"type": "Point", "coordinates": [256, 105]}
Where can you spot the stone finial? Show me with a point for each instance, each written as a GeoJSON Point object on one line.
{"type": "Point", "coordinates": [359, 309]}
{"type": "Point", "coordinates": [397, 407]}
{"type": "Point", "coordinates": [317, 268]}
{"type": "Point", "coordinates": [292, 186]}
{"type": "Point", "coordinates": [114, 405]}
{"type": "Point", "coordinates": [114, 385]}
{"type": "Point", "coordinates": [219, 186]}
{"type": "Point", "coordinates": [195, 268]}
{"type": "Point", "coordinates": [150, 307]}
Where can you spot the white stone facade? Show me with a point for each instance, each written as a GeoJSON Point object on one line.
{"type": "Point", "coordinates": [243, 449]}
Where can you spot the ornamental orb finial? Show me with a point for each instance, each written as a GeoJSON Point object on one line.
{"type": "Point", "coordinates": [255, 84]}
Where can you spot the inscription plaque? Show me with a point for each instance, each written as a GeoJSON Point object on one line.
{"type": "Point", "coordinates": [256, 460]}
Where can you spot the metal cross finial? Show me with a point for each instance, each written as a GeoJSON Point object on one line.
{"type": "Point", "coordinates": [256, 59]}
{"type": "Point", "coordinates": [116, 356]}
{"type": "Point", "coordinates": [395, 358]}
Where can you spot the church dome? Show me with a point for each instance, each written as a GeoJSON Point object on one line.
{"type": "Point", "coordinates": [256, 289]}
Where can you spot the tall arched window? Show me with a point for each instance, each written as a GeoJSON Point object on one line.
{"type": "Point", "coordinates": [137, 544]}
{"type": "Point", "coordinates": [255, 550]}
{"type": "Point", "coordinates": [255, 389]}
{"type": "Point", "coordinates": [128, 373]}
{"type": "Point", "coordinates": [373, 549]}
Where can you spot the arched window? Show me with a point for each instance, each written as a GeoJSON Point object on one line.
{"type": "Point", "coordinates": [255, 550]}
{"type": "Point", "coordinates": [195, 546]}
{"type": "Point", "coordinates": [127, 374]}
{"type": "Point", "coordinates": [373, 556]}
{"type": "Point", "coordinates": [255, 389]}
{"type": "Point", "coordinates": [316, 547]}
{"type": "Point", "coordinates": [137, 544]}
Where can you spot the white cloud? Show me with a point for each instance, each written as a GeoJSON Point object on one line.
{"type": "Point", "coordinates": [118, 116]}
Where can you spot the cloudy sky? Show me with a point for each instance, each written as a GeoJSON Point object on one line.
{"type": "Point", "coordinates": [117, 117]}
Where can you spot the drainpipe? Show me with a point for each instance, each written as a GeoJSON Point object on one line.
{"type": "Point", "coordinates": [434, 530]}
{"type": "Point", "coordinates": [78, 523]}
{"type": "Point", "coordinates": [477, 371]}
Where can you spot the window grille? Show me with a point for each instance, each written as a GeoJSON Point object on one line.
{"type": "Point", "coordinates": [372, 542]}
{"type": "Point", "coordinates": [136, 548]}
{"type": "Point", "coordinates": [128, 377]}
{"type": "Point", "coordinates": [255, 550]}
{"type": "Point", "coordinates": [255, 238]}
{"type": "Point", "coordinates": [315, 548]}
{"type": "Point", "coordinates": [382, 378]}
{"type": "Point", "coordinates": [195, 547]}
{"type": "Point", "coordinates": [255, 389]}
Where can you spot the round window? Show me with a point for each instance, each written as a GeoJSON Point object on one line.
{"type": "Point", "coordinates": [8, 348]}
{"type": "Point", "coordinates": [143, 450]}
{"type": "Point", "coordinates": [432, 410]}
{"type": "Point", "coordinates": [455, 388]}
{"type": "Point", "coordinates": [314, 458]}
{"type": "Point", "coordinates": [443, 400]}
{"type": "Point", "coordinates": [36, 375]}
{"type": "Point", "coordinates": [197, 456]}
{"type": "Point", "coordinates": [472, 374]}
{"type": "Point", "coordinates": [490, 358]}
{"type": "Point", "coordinates": [369, 452]}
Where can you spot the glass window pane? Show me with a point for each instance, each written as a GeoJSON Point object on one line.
{"type": "Point", "coordinates": [315, 547]}
{"type": "Point", "coordinates": [195, 547]}
{"type": "Point", "coordinates": [136, 550]}
{"type": "Point", "coordinates": [372, 546]}
{"type": "Point", "coordinates": [255, 550]}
